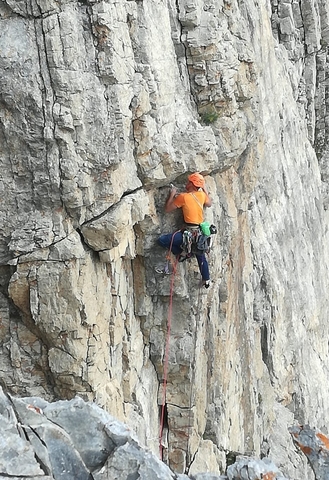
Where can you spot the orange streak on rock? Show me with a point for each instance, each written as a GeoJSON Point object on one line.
{"type": "Point", "coordinates": [305, 449]}
{"type": "Point", "coordinates": [269, 476]}
{"type": "Point", "coordinates": [324, 439]}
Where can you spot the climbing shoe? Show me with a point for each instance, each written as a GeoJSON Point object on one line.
{"type": "Point", "coordinates": [206, 283]}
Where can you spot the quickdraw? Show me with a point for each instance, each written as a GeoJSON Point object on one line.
{"type": "Point", "coordinates": [195, 242]}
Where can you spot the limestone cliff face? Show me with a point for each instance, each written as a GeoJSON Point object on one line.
{"type": "Point", "coordinates": [103, 104]}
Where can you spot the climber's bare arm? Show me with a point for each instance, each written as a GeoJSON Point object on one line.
{"type": "Point", "coordinates": [170, 206]}
{"type": "Point", "coordinates": [208, 201]}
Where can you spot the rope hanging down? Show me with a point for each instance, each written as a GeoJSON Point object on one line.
{"type": "Point", "coordinates": [166, 359]}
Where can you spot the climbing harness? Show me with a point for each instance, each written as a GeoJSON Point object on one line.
{"type": "Point", "coordinates": [195, 241]}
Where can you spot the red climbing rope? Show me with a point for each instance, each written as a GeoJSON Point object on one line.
{"type": "Point", "coordinates": [166, 359]}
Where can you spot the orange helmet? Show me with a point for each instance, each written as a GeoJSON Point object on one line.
{"type": "Point", "coordinates": [197, 179]}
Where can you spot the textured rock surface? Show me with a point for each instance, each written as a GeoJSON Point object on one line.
{"type": "Point", "coordinates": [315, 445]}
{"type": "Point", "coordinates": [77, 440]}
{"type": "Point", "coordinates": [101, 107]}
{"type": "Point", "coordinates": [71, 440]}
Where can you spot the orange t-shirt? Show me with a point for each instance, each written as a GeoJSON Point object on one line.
{"type": "Point", "coordinates": [192, 205]}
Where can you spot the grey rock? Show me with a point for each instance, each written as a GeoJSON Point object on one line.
{"type": "Point", "coordinates": [253, 469]}
{"type": "Point", "coordinates": [17, 455]}
{"type": "Point", "coordinates": [129, 461]}
{"type": "Point", "coordinates": [66, 462]}
{"type": "Point", "coordinates": [40, 448]}
{"type": "Point", "coordinates": [88, 421]}
{"type": "Point", "coordinates": [315, 445]}
{"type": "Point", "coordinates": [81, 421]}
{"type": "Point", "coordinates": [208, 476]}
{"type": "Point", "coordinates": [42, 477]}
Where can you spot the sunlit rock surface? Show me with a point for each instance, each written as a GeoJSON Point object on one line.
{"type": "Point", "coordinates": [104, 104]}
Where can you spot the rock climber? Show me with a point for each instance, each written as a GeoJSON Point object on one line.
{"type": "Point", "coordinates": [191, 202]}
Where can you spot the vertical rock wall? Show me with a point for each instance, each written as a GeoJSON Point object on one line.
{"type": "Point", "coordinates": [102, 106]}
